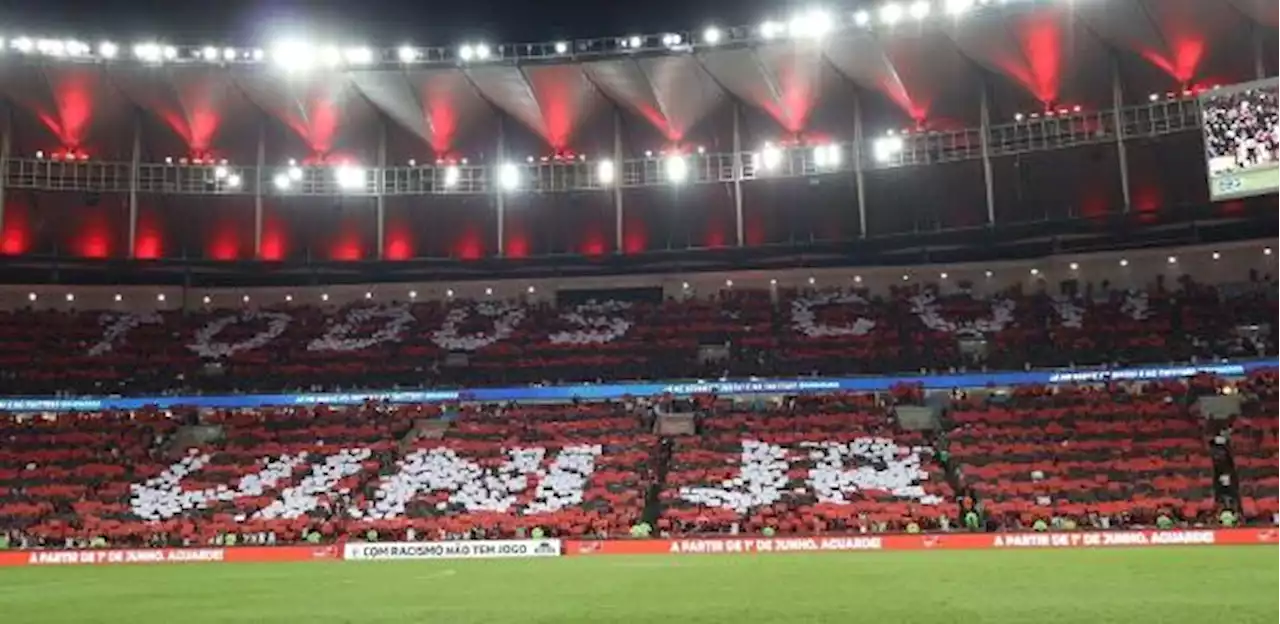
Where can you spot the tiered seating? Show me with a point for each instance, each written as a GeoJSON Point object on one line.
{"type": "Point", "coordinates": [570, 471]}
{"type": "Point", "coordinates": [59, 475]}
{"type": "Point", "coordinates": [826, 463]}
{"type": "Point", "coordinates": [787, 333]}
{"type": "Point", "coordinates": [1253, 445]}
{"type": "Point", "coordinates": [1073, 452]}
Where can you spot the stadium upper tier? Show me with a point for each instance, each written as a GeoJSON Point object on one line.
{"type": "Point", "coordinates": [791, 133]}
{"type": "Point", "coordinates": [735, 330]}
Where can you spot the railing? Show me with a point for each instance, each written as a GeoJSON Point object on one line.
{"type": "Point", "coordinates": [1044, 133]}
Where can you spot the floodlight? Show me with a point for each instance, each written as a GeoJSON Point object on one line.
{"type": "Point", "coordinates": [295, 173]}
{"type": "Point", "coordinates": [827, 156]}
{"type": "Point", "coordinates": [482, 51]}
{"type": "Point", "coordinates": [220, 172]}
{"type": "Point", "coordinates": [108, 50]}
{"type": "Point", "coordinates": [51, 47]}
{"type": "Point", "coordinates": [359, 55]}
{"type": "Point", "coordinates": [282, 182]}
{"type": "Point", "coordinates": [234, 181]}
{"type": "Point", "coordinates": [635, 41]}
{"type": "Point", "coordinates": [170, 53]}
{"type": "Point", "coordinates": [451, 176]}
{"type": "Point", "coordinates": [407, 54]}
{"type": "Point", "coordinates": [712, 35]}
{"type": "Point", "coordinates": [958, 7]}
{"type": "Point", "coordinates": [769, 157]}
{"type": "Point", "coordinates": [861, 18]}
{"type": "Point", "coordinates": [770, 29]}
{"type": "Point", "coordinates": [812, 24]}
{"type": "Point", "coordinates": [672, 40]}
{"type": "Point", "coordinates": [229, 54]}
{"type": "Point", "coordinates": [209, 53]}
{"type": "Point", "coordinates": [605, 172]}
{"type": "Point", "coordinates": [891, 13]}
{"type": "Point", "coordinates": [293, 55]}
{"type": "Point", "coordinates": [24, 45]}
{"type": "Point", "coordinates": [331, 56]}
{"type": "Point", "coordinates": [466, 53]}
{"type": "Point", "coordinates": [350, 177]}
{"type": "Point", "coordinates": [76, 48]}
{"type": "Point", "coordinates": [561, 47]}
{"type": "Point", "coordinates": [677, 168]}
{"type": "Point", "coordinates": [148, 52]}
{"type": "Point", "coordinates": [886, 148]}
{"type": "Point", "coordinates": [508, 177]}
{"type": "Point", "coordinates": [919, 9]}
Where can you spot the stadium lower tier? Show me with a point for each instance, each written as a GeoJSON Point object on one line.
{"type": "Point", "coordinates": [1090, 456]}
{"type": "Point", "coordinates": [737, 333]}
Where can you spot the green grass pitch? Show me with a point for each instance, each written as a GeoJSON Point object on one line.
{"type": "Point", "coordinates": [1148, 586]}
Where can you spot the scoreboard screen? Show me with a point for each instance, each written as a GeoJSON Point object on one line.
{"type": "Point", "coordinates": [1240, 139]}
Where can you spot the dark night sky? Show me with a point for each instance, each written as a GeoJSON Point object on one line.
{"type": "Point", "coordinates": [385, 22]}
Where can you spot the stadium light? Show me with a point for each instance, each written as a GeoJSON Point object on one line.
{"type": "Point", "coordinates": [891, 13]}
{"type": "Point", "coordinates": [958, 7]}
{"type": "Point", "coordinates": [861, 18]}
{"type": "Point", "coordinates": [293, 56]}
{"type": "Point", "coordinates": [711, 35]}
{"type": "Point", "coordinates": [350, 177]}
{"type": "Point", "coordinates": [210, 54]}
{"type": "Point", "coordinates": [482, 51]}
{"type": "Point", "coordinates": [331, 56]}
{"type": "Point", "coordinates": [635, 41]}
{"type": "Point", "coordinates": [228, 54]}
{"type": "Point", "coordinates": [295, 173]}
{"type": "Point", "coordinates": [282, 182]}
{"type": "Point", "coordinates": [771, 29]}
{"type": "Point", "coordinates": [234, 181]}
{"type": "Point", "coordinates": [51, 47]}
{"type": "Point", "coordinates": [108, 50]}
{"type": "Point", "coordinates": [919, 9]}
{"type": "Point", "coordinates": [672, 40]}
{"type": "Point", "coordinates": [24, 45]}
{"type": "Point", "coordinates": [562, 47]}
{"type": "Point", "coordinates": [769, 157]}
{"type": "Point", "coordinates": [812, 24]}
{"type": "Point", "coordinates": [605, 172]}
{"type": "Point", "coordinates": [508, 177]}
{"type": "Point", "coordinates": [466, 52]}
{"type": "Point", "coordinates": [170, 53]}
{"type": "Point", "coordinates": [827, 156]}
{"type": "Point", "coordinates": [148, 52]}
{"type": "Point", "coordinates": [76, 48]}
{"type": "Point", "coordinates": [677, 168]}
{"type": "Point", "coordinates": [360, 55]}
{"type": "Point", "coordinates": [885, 148]}
{"type": "Point", "coordinates": [407, 54]}
{"type": "Point", "coordinates": [220, 172]}
{"type": "Point", "coordinates": [451, 176]}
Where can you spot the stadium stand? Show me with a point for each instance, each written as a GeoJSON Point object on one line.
{"type": "Point", "coordinates": [465, 343]}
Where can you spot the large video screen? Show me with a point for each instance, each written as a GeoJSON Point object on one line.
{"type": "Point", "coordinates": [1240, 139]}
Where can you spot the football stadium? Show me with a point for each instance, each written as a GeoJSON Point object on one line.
{"type": "Point", "coordinates": [897, 310]}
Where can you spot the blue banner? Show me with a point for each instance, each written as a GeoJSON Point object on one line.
{"type": "Point", "coordinates": [614, 391]}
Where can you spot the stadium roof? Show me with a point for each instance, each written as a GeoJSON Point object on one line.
{"type": "Point", "coordinates": [1037, 53]}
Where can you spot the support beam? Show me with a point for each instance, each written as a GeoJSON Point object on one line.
{"type": "Point", "coordinates": [135, 162]}
{"type": "Point", "coordinates": [988, 176]}
{"type": "Point", "coordinates": [500, 196]}
{"type": "Point", "coordinates": [257, 190]}
{"type": "Point", "coordinates": [1122, 154]}
{"type": "Point", "coordinates": [737, 172]}
{"type": "Point", "coordinates": [618, 215]}
{"type": "Point", "coordinates": [380, 202]}
{"type": "Point", "coordinates": [1259, 52]}
{"type": "Point", "coordinates": [6, 129]}
{"type": "Point", "coordinates": [859, 137]}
